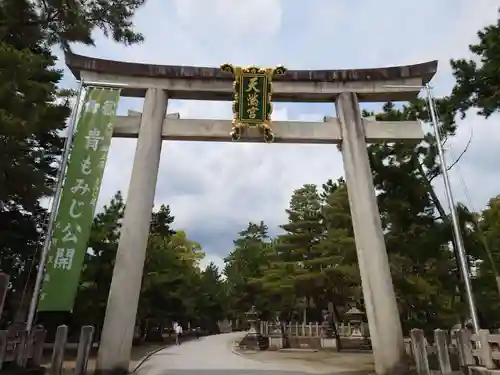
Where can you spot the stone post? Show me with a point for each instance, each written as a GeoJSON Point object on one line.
{"type": "Point", "coordinates": [4, 288]}
{"type": "Point", "coordinates": [486, 357]}
{"type": "Point", "coordinates": [465, 349]}
{"type": "Point", "coordinates": [378, 290]}
{"type": "Point", "coordinates": [39, 340]}
{"type": "Point", "coordinates": [22, 348]}
{"type": "Point", "coordinates": [419, 349]}
{"type": "Point", "coordinates": [84, 346]}
{"type": "Point", "coordinates": [442, 351]}
{"type": "Point", "coordinates": [121, 310]}
{"type": "Point", "coordinates": [56, 363]}
{"type": "Point", "coordinates": [3, 348]}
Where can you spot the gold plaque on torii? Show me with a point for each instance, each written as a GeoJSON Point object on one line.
{"type": "Point", "coordinates": [252, 95]}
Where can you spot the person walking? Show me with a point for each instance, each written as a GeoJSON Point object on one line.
{"type": "Point", "coordinates": [178, 333]}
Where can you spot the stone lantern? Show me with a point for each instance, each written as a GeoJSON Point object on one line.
{"type": "Point", "coordinates": [355, 318]}
{"type": "Point", "coordinates": [251, 339]}
{"type": "Point", "coordinates": [328, 323]}
{"type": "Point", "coordinates": [277, 324]}
{"type": "Point", "coordinates": [252, 319]}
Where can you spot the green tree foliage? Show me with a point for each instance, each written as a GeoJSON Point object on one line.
{"type": "Point", "coordinates": [276, 281]}
{"type": "Point", "coordinates": [314, 262]}
{"type": "Point", "coordinates": [242, 266]}
{"type": "Point", "coordinates": [417, 227]}
{"type": "Point", "coordinates": [339, 274]}
{"type": "Point", "coordinates": [170, 273]}
{"type": "Point", "coordinates": [299, 246]}
{"type": "Point", "coordinates": [90, 304]}
{"type": "Point", "coordinates": [30, 118]}
{"type": "Point", "coordinates": [161, 221]}
{"type": "Point", "coordinates": [309, 266]}
{"type": "Point", "coordinates": [211, 298]}
{"type": "Point", "coordinates": [487, 281]}
{"type": "Point", "coordinates": [67, 21]}
{"type": "Point", "coordinates": [174, 288]}
{"type": "Point", "coordinates": [478, 80]}
{"type": "Point", "coordinates": [33, 111]}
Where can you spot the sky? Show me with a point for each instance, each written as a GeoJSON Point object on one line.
{"type": "Point", "coordinates": [215, 189]}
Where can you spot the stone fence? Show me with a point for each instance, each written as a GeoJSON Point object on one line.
{"type": "Point", "coordinates": [315, 329]}
{"type": "Point", "coordinates": [26, 351]}
{"type": "Point", "coordinates": [315, 336]}
{"type": "Point", "coordinates": [455, 352]}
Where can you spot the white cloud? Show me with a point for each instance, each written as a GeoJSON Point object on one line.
{"type": "Point", "coordinates": [235, 20]}
{"type": "Point", "coordinates": [214, 189]}
{"type": "Point", "coordinates": [474, 178]}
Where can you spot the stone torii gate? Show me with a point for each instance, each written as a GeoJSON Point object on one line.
{"type": "Point", "coordinates": [345, 88]}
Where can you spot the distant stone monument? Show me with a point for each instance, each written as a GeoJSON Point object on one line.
{"type": "Point", "coordinates": [354, 317]}
{"type": "Point", "coordinates": [225, 326]}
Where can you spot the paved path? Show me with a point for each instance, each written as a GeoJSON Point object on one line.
{"type": "Point", "coordinates": [202, 356]}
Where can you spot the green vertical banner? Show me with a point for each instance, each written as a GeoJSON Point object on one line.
{"type": "Point", "coordinates": [78, 200]}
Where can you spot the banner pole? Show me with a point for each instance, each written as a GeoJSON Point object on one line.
{"type": "Point", "coordinates": [53, 211]}
{"type": "Point", "coordinates": [109, 85]}
{"type": "Point", "coordinates": [457, 233]}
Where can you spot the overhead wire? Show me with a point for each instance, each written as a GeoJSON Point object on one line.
{"type": "Point", "coordinates": [470, 204]}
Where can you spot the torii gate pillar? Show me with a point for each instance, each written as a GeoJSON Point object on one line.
{"type": "Point", "coordinates": [123, 300]}
{"type": "Point", "coordinates": [378, 291]}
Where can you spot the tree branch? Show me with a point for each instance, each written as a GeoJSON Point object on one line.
{"type": "Point", "coordinates": [455, 162]}
{"type": "Point", "coordinates": [428, 182]}
{"type": "Point", "coordinates": [463, 151]}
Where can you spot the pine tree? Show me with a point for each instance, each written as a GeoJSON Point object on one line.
{"type": "Point", "coordinates": [477, 80]}
{"type": "Point", "coordinates": [66, 21]}
{"type": "Point", "coordinates": [339, 274]}
{"type": "Point", "coordinates": [417, 228]}
{"type": "Point", "coordinates": [211, 298]}
{"type": "Point", "coordinates": [296, 251]}
{"type": "Point", "coordinates": [90, 303]}
{"type": "Point", "coordinates": [486, 226]}
{"type": "Point", "coordinates": [161, 221]}
{"type": "Point", "coordinates": [33, 112]}
{"type": "Point", "coordinates": [243, 266]}
{"type": "Point", "coordinates": [30, 118]}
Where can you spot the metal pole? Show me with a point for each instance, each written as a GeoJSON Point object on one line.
{"type": "Point", "coordinates": [462, 256]}
{"type": "Point", "coordinates": [105, 84]}
{"type": "Point", "coordinates": [53, 211]}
